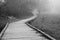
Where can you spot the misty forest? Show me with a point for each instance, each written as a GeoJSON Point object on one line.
{"type": "Point", "coordinates": [48, 19]}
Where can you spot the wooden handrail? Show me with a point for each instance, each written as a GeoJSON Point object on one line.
{"type": "Point", "coordinates": [50, 37]}
{"type": "Point", "coordinates": [2, 32]}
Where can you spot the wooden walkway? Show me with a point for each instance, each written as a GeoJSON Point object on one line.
{"type": "Point", "coordinates": [20, 31]}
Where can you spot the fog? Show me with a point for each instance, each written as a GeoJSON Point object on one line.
{"type": "Point", "coordinates": [50, 7]}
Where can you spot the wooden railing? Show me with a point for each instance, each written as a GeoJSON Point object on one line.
{"type": "Point", "coordinates": [40, 31]}
{"type": "Point", "coordinates": [2, 32]}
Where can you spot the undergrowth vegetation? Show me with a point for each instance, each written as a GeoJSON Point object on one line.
{"type": "Point", "coordinates": [49, 25]}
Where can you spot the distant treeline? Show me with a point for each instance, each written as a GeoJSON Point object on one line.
{"type": "Point", "coordinates": [17, 8]}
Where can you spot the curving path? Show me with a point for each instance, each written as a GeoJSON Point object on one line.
{"type": "Point", "coordinates": [20, 31]}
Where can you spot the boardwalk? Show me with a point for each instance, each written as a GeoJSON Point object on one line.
{"type": "Point", "coordinates": [20, 31]}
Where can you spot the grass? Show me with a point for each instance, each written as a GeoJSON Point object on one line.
{"type": "Point", "coordinates": [3, 21]}
{"type": "Point", "coordinates": [50, 25]}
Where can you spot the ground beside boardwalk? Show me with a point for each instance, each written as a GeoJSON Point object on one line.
{"type": "Point", "coordinates": [48, 25]}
